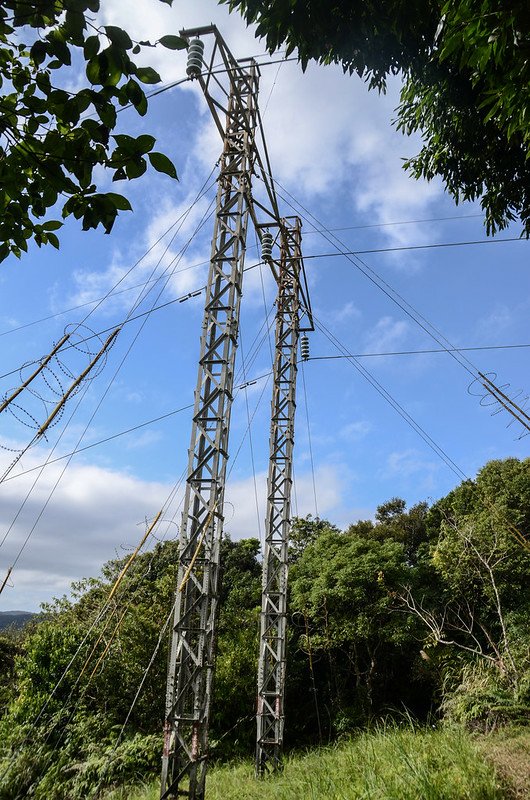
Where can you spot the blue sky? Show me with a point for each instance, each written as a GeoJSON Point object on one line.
{"type": "Point", "coordinates": [333, 151]}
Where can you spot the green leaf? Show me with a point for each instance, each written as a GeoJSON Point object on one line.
{"type": "Point", "coordinates": [82, 100]}
{"type": "Point", "coordinates": [163, 164]}
{"type": "Point", "coordinates": [144, 143]}
{"type": "Point", "coordinates": [74, 26]}
{"type": "Point", "coordinates": [110, 66]}
{"type": "Point", "coordinates": [136, 168]}
{"type": "Point", "coordinates": [52, 225]}
{"type": "Point", "coordinates": [91, 47]}
{"type": "Point", "coordinates": [58, 47]}
{"type": "Point", "coordinates": [136, 96]}
{"type": "Point", "coordinates": [119, 201]}
{"type": "Point", "coordinates": [32, 125]}
{"type": "Point", "coordinates": [53, 240]}
{"type": "Point", "coordinates": [38, 52]}
{"type": "Point", "coordinates": [107, 114]}
{"type": "Point", "coordinates": [118, 37]}
{"type": "Point", "coordinates": [148, 75]}
{"type": "Point", "coordinates": [173, 42]}
{"type": "Point", "coordinates": [125, 142]}
{"type": "Point", "coordinates": [92, 71]}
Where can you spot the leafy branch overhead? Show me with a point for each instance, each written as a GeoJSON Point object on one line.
{"type": "Point", "coordinates": [466, 65]}
{"type": "Point", "coordinates": [52, 138]}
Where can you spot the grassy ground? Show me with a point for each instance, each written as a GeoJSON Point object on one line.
{"type": "Point", "coordinates": [393, 764]}
{"type": "Point", "coordinates": [509, 750]}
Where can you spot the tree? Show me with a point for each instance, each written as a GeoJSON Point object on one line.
{"type": "Point", "coordinates": [466, 70]}
{"type": "Point", "coordinates": [9, 649]}
{"type": "Point", "coordinates": [71, 727]}
{"type": "Point", "coordinates": [362, 653]}
{"type": "Point", "coordinates": [233, 726]}
{"type": "Point", "coordinates": [51, 137]}
{"type": "Point", "coordinates": [479, 613]}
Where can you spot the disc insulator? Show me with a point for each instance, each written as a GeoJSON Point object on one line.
{"type": "Point", "coordinates": [195, 58]}
{"type": "Point", "coordinates": [304, 347]}
{"type": "Point", "coordinates": [266, 246]}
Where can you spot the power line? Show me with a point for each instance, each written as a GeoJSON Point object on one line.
{"type": "Point", "coordinates": [251, 444]}
{"type": "Point", "coordinates": [250, 418]}
{"type": "Point", "coordinates": [166, 504]}
{"type": "Point", "coordinates": [253, 354]}
{"type": "Point", "coordinates": [193, 292]}
{"type": "Point", "coordinates": [440, 452]}
{"type": "Point", "coordinates": [386, 288]}
{"type": "Point", "coordinates": [113, 292]}
{"type": "Point", "coordinates": [347, 355]}
{"type": "Point", "coordinates": [392, 294]}
{"type": "Point", "coordinates": [134, 428]}
{"type": "Point", "coordinates": [410, 247]}
{"type": "Point", "coordinates": [389, 291]}
{"type": "Point", "coordinates": [102, 441]}
{"type": "Point", "coordinates": [98, 406]}
{"type": "Point", "coordinates": [400, 222]}
{"type": "Point", "coordinates": [99, 616]}
{"type": "Point", "coordinates": [183, 298]}
{"type": "Point", "coordinates": [187, 79]}
{"type": "Point", "coordinates": [421, 352]}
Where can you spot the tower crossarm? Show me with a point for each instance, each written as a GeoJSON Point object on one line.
{"type": "Point", "coordinates": [220, 81]}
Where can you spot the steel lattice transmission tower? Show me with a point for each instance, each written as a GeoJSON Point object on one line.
{"type": "Point", "coordinates": [271, 667]}
{"type": "Point", "coordinates": [232, 95]}
{"type": "Point", "coordinates": [191, 661]}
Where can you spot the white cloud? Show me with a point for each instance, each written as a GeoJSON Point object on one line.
{"type": "Point", "coordinates": [162, 258]}
{"type": "Point", "coordinates": [330, 141]}
{"type": "Point", "coordinates": [498, 321]}
{"type": "Point", "coordinates": [10, 322]}
{"type": "Point", "coordinates": [94, 514]}
{"type": "Point", "coordinates": [259, 286]}
{"type": "Point", "coordinates": [146, 439]}
{"type": "Point", "coordinates": [326, 135]}
{"type": "Point", "coordinates": [354, 431]}
{"type": "Point", "coordinates": [406, 464]}
{"type": "Point", "coordinates": [240, 496]}
{"type": "Point", "coordinates": [386, 335]}
{"type": "Point", "coordinates": [90, 516]}
{"type": "Point", "coordinates": [324, 129]}
{"type": "Point", "coordinates": [345, 313]}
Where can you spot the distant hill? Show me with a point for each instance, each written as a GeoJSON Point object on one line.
{"type": "Point", "coordinates": [16, 619]}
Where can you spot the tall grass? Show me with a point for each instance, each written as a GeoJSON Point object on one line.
{"type": "Point", "coordinates": [389, 764]}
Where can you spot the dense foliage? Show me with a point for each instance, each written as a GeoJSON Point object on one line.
{"type": "Point", "coordinates": [420, 612]}
{"type": "Point", "coordinates": [467, 87]}
{"type": "Point", "coordinates": [52, 135]}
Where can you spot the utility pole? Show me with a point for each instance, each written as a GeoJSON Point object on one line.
{"type": "Point", "coordinates": [192, 653]}
{"type": "Point", "coordinates": [231, 91]}
{"type": "Point", "coordinates": [273, 622]}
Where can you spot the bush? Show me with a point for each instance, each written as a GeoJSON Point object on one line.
{"type": "Point", "coordinates": [484, 699]}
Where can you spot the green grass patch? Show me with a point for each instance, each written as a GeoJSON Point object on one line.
{"type": "Point", "coordinates": [389, 764]}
